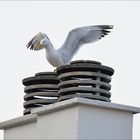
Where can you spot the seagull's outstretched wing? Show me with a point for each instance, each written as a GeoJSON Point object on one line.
{"type": "Point", "coordinates": [34, 43]}
{"type": "Point", "coordinates": [80, 36]}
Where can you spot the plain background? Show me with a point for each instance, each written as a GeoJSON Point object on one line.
{"type": "Point", "coordinates": [20, 21]}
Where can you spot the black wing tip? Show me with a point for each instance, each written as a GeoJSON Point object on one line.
{"type": "Point", "coordinates": [105, 32]}
{"type": "Point", "coordinates": [30, 47]}
{"type": "Point", "coordinates": [109, 27]}
{"type": "Point", "coordinates": [105, 26]}
{"type": "Point", "coordinates": [105, 29]}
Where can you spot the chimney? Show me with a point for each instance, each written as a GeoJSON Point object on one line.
{"type": "Point", "coordinates": [74, 102]}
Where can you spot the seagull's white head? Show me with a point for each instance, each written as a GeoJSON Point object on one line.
{"type": "Point", "coordinates": [44, 41]}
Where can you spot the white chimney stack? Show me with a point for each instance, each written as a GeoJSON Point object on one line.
{"type": "Point", "coordinates": [76, 118]}
{"type": "Point", "coordinates": [76, 105]}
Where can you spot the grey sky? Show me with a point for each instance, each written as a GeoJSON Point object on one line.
{"type": "Point", "coordinates": [20, 21]}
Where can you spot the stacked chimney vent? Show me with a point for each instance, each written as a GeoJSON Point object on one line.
{"type": "Point", "coordinates": [40, 90]}
{"type": "Point", "coordinates": [87, 79]}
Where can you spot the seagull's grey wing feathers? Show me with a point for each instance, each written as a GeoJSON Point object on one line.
{"type": "Point", "coordinates": [80, 36]}
{"type": "Point", "coordinates": [34, 43]}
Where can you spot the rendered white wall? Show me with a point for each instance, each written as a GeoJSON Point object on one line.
{"type": "Point", "coordinates": [24, 131]}
{"type": "Point", "coordinates": [100, 123]}
{"type": "Point", "coordinates": [61, 124]}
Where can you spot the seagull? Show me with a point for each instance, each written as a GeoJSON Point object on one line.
{"type": "Point", "coordinates": [75, 39]}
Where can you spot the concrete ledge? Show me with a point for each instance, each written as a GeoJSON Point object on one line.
{"type": "Point", "coordinates": [18, 121]}
{"type": "Point", "coordinates": [76, 101]}
{"type": "Point", "coordinates": [65, 104]}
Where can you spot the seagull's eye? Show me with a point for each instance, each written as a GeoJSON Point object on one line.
{"type": "Point", "coordinates": [43, 41]}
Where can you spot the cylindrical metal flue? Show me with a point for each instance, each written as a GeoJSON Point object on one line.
{"type": "Point", "coordinates": [41, 89]}
{"type": "Point", "coordinates": [88, 79]}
